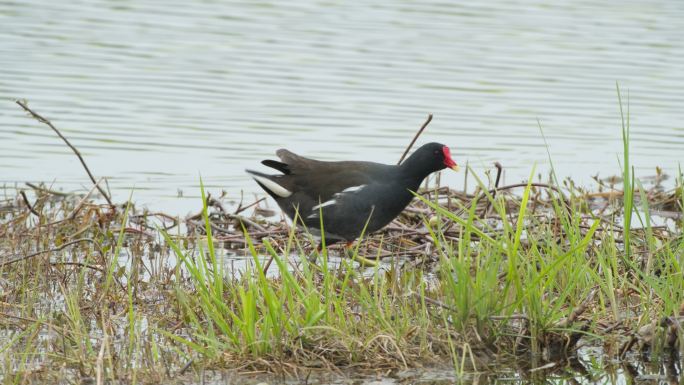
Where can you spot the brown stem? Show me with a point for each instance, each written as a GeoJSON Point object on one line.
{"type": "Point", "coordinates": [47, 190]}
{"type": "Point", "coordinates": [499, 170]}
{"type": "Point", "coordinates": [241, 209]}
{"type": "Point", "coordinates": [74, 149]}
{"type": "Point", "coordinates": [427, 121]}
{"type": "Point", "coordinates": [83, 200]}
{"type": "Point", "coordinates": [26, 201]}
{"type": "Point", "coordinates": [6, 262]}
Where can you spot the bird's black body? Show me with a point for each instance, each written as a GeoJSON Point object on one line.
{"type": "Point", "coordinates": [350, 195]}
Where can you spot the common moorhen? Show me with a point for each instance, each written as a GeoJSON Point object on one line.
{"type": "Point", "coordinates": [349, 194]}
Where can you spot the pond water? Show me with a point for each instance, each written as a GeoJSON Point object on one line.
{"type": "Point", "coordinates": [587, 368]}
{"type": "Point", "coordinates": [156, 94]}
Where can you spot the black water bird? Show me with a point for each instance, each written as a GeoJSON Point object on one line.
{"type": "Point", "coordinates": [348, 195]}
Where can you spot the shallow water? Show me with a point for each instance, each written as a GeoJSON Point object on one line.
{"type": "Point", "coordinates": [156, 94]}
{"type": "Point", "coordinates": [586, 368]}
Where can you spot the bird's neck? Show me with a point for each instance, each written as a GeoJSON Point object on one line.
{"type": "Point", "coordinates": [414, 170]}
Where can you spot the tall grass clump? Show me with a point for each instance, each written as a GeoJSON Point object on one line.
{"type": "Point", "coordinates": [336, 316]}
{"type": "Point", "coordinates": [526, 274]}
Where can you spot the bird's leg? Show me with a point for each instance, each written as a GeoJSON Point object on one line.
{"type": "Point", "coordinates": [348, 250]}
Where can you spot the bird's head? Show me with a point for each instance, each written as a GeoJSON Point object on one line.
{"type": "Point", "coordinates": [429, 158]}
{"type": "Point", "coordinates": [448, 161]}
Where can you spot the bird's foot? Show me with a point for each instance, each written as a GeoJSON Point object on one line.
{"type": "Point", "coordinates": [348, 250]}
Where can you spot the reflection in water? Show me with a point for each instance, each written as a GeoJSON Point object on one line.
{"type": "Point", "coordinates": [590, 369]}
{"type": "Point", "coordinates": [155, 93]}
{"type": "Point", "coordinates": [584, 370]}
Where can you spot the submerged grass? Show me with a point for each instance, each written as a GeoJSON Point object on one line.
{"type": "Point", "coordinates": [492, 276]}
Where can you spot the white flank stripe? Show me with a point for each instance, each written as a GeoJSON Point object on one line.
{"type": "Point", "coordinates": [354, 188]}
{"type": "Point", "coordinates": [273, 186]}
{"type": "Point", "coordinates": [326, 203]}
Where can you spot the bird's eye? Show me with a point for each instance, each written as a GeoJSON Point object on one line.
{"type": "Point", "coordinates": [436, 152]}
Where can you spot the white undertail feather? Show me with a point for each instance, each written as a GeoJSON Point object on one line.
{"type": "Point", "coordinates": [326, 203]}
{"type": "Point", "coordinates": [353, 188]}
{"type": "Point", "coordinates": [272, 186]}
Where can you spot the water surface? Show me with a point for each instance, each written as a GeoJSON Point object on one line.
{"type": "Point", "coordinates": [156, 94]}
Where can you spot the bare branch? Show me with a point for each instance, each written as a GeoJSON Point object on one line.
{"type": "Point", "coordinates": [427, 121]}
{"type": "Point", "coordinates": [74, 149]}
{"type": "Point", "coordinates": [7, 261]}
{"type": "Point", "coordinates": [26, 201]}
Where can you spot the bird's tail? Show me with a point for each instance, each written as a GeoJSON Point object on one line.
{"type": "Point", "coordinates": [270, 184]}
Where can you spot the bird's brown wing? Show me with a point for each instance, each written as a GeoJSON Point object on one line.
{"type": "Point", "coordinates": [320, 180]}
{"type": "Point", "coordinates": [297, 163]}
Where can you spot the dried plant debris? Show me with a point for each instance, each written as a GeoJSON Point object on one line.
{"type": "Point", "coordinates": [98, 290]}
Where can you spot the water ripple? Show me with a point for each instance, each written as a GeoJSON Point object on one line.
{"type": "Point", "coordinates": [156, 93]}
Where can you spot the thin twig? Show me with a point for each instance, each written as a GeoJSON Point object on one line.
{"type": "Point", "coordinates": [59, 329]}
{"type": "Point", "coordinates": [83, 200]}
{"type": "Point", "coordinates": [427, 121]}
{"type": "Point", "coordinates": [267, 265]}
{"type": "Point", "coordinates": [185, 367]}
{"type": "Point", "coordinates": [47, 190]}
{"type": "Point", "coordinates": [434, 302]}
{"type": "Point", "coordinates": [214, 202]}
{"type": "Point", "coordinates": [26, 201]}
{"type": "Point", "coordinates": [161, 215]}
{"type": "Point", "coordinates": [27, 256]}
{"type": "Point", "coordinates": [79, 264]}
{"type": "Point", "coordinates": [499, 170]}
{"type": "Point", "coordinates": [74, 149]}
{"type": "Point", "coordinates": [241, 209]}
